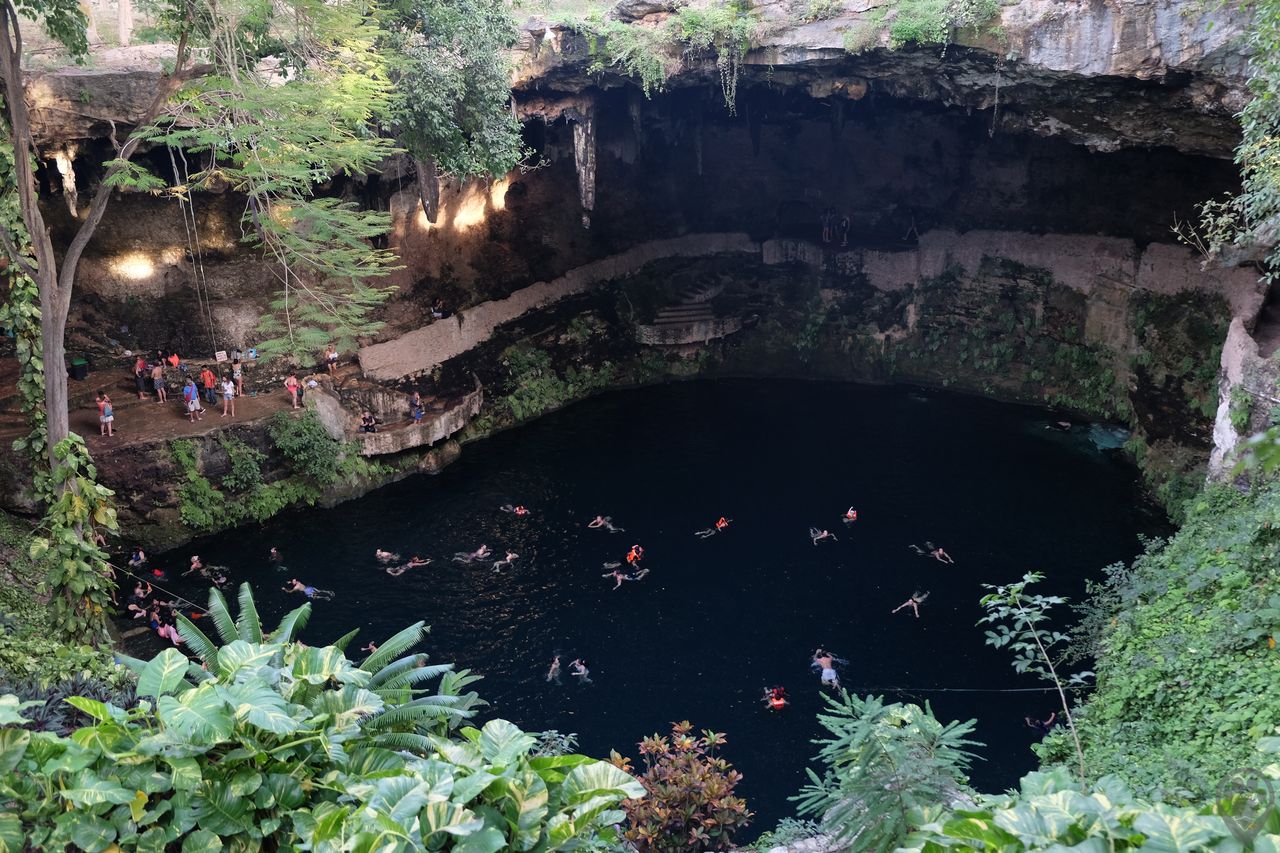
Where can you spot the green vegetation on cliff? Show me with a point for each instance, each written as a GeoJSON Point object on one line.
{"type": "Point", "coordinates": [1188, 677]}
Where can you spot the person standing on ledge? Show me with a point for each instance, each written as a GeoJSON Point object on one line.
{"type": "Point", "coordinates": [106, 416]}
{"type": "Point", "coordinates": [331, 359]}
{"type": "Point", "coordinates": [228, 397]}
{"type": "Point", "coordinates": [140, 376]}
{"type": "Point", "coordinates": [208, 380]}
{"type": "Point", "coordinates": [292, 385]}
{"type": "Point", "coordinates": [157, 379]}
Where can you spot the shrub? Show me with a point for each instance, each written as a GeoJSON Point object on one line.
{"type": "Point", "coordinates": [49, 708]}
{"type": "Point", "coordinates": [690, 804]}
{"type": "Point", "coordinates": [306, 446]}
{"type": "Point", "coordinates": [245, 473]}
{"type": "Point", "coordinates": [277, 745]}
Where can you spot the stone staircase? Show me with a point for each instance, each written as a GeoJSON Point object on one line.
{"type": "Point", "coordinates": [689, 321]}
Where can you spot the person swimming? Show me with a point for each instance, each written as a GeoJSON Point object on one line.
{"type": "Point", "coordinates": [578, 668]}
{"type": "Point", "coordinates": [940, 555]}
{"type": "Point", "coordinates": [606, 522]}
{"type": "Point", "coordinates": [826, 662]}
{"type": "Point", "coordinates": [553, 671]}
{"type": "Point", "coordinates": [611, 565]}
{"type": "Point", "coordinates": [639, 575]}
{"type": "Point", "coordinates": [414, 562]}
{"type": "Point", "coordinates": [506, 562]}
{"type": "Point", "coordinates": [296, 585]}
{"type": "Point", "coordinates": [471, 556]}
{"type": "Point", "coordinates": [635, 555]}
{"type": "Point", "coordinates": [850, 516]}
{"type": "Point", "coordinates": [775, 698]}
{"type": "Point", "coordinates": [913, 602]}
{"type": "Point", "coordinates": [385, 556]}
{"type": "Point", "coordinates": [721, 524]}
{"type": "Point", "coordinates": [617, 576]}
{"type": "Point", "coordinates": [518, 509]}
{"type": "Point", "coordinates": [819, 535]}
{"type": "Point", "coordinates": [371, 648]}
{"type": "Point", "coordinates": [196, 566]}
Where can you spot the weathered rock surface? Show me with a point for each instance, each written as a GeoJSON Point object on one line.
{"type": "Point", "coordinates": [1106, 75]}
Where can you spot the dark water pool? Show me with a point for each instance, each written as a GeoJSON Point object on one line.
{"type": "Point", "coordinates": [718, 620]}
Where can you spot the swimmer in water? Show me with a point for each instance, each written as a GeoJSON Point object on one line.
{"type": "Point", "coordinates": [913, 602]}
{"type": "Point", "coordinates": [721, 524]}
{"type": "Point", "coordinates": [850, 516]}
{"type": "Point", "coordinates": [309, 591]}
{"type": "Point", "coordinates": [612, 565]}
{"type": "Point", "coordinates": [414, 562]}
{"type": "Point", "coordinates": [606, 522]}
{"type": "Point", "coordinates": [274, 554]}
{"type": "Point", "coordinates": [578, 668]}
{"type": "Point", "coordinates": [825, 661]}
{"type": "Point", "coordinates": [618, 577]}
{"type": "Point", "coordinates": [518, 509]}
{"type": "Point", "coordinates": [819, 535]}
{"type": "Point", "coordinates": [385, 556]}
{"type": "Point", "coordinates": [553, 671]}
{"type": "Point", "coordinates": [506, 562]}
{"type": "Point", "coordinates": [371, 648]}
{"type": "Point", "coordinates": [635, 555]}
{"type": "Point", "coordinates": [775, 698]}
{"type": "Point", "coordinates": [940, 555]}
{"type": "Point", "coordinates": [470, 557]}
{"type": "Point", "coordinates": [196, 566]}
{"type": "Point", "coordinates": [638, 576]}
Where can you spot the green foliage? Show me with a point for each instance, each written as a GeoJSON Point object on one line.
{"type": "Point", "coordinates": [1187, 681]}
{"type": "Point", "coordinates": [1020, 623]}
{"type": "Point", "coordinates": [536, 387]}
{"type": "Point", "coordinates": [451, 63]}
{"type": "Point", "coordinates": [76, 572]}
{"type": "Point", "coordinates": [1053, 812]}
{"type": "Point", "coordinates": [20, 313]}
{"type": "Point", "coordinates": [306, 446]}
{"type": "Point", "coordinates": [280, 745]}
{"type": "Point", "coordinates": [689, 803]}
{"type": "Point", "coordinates": [47, 703]}
{"type": "Point", "coordinates": [723, 31]}
{"type": "Point", "coordinates": [275, 139]}
{"type": "Point", "coordinates": [881, 764]}
{"type": "Point", "coordinates": [63, 20]}
{"type": "Point", "coordinates": [788, 831]}
{"type": "Point", "coordinates": [1241, 408]}
{"type": "Point", "coordinates": [929, 22]}
{"type": "Point", "coordinates": [245, 473]}
{"type": "Point", "coordinates": [808, 11]}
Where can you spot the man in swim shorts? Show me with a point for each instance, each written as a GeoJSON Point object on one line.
{"type": "Point", "coordinates": [824, 661]}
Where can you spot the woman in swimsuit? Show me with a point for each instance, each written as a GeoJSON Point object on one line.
{"type": "Point", "coordinates": [579, 670]}
{"type": "Point", "coordinates": [913, 602]}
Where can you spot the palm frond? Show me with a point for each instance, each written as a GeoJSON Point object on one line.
{"type": "Point", "coordinates": [415, 712]}
{"type": "Point", "coordinates": [406, 741]}
{"type": "Point", "coordinates": [248, 625]}
{"type": "Point", "coordinates": [395, 646]}
{"type": "Point", "coordinates": [292, 624]}
{"type": "Point", "coordinates": [221, 616]}
{"type": "Point", "coordinates": [341, 643]}
{"type": "Point", "coordinates": [197, 641]}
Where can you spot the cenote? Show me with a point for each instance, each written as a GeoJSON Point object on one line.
{"type": "Point", "coordinates": [719, 619]}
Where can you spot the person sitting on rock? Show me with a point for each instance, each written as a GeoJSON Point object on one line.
{"type": "Point", "coordinates": [368, 423]}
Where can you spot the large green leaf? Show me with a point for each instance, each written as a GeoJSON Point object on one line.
{"type": "Point", "coordinates": [90, 833]}
{"type": "Point", "coordinates": [13, 746]}
{"type": "Point", "coordinates": [502, 743]}
{"type": "Point", "coordinates": [100, 711]}
{"type": "Point", "coordinates": [1171, 832]}
{"type": "Point", "coordinates": [87, 789]}
{"type": "Point", "coordinates": [240, 654]}
{"type": "Point", "coordinates": [11, 710]}
{"type": "Point", "coordinates": [201, 841]}
{"type": "Point", "coordinates": [198, 715]}
{"type": "Point", "coordinates": [162, 674]}
{"type": "Point", "coordinates": [318, 665]}
{"type": "Point", "coordinates": [257, 704]}
{"type": "Point", "coordinates": [222, 812]}
{"type": "Point", "coordinates": [487, 840]}
{"type": "Point", "coordinates": [450, 818]}
{"type": "Point", "coordinates": [12, 837]}
{"type": "Point", "coordinates": [599, 779]}
{"type": "Point", "coordinates": [525, 808]}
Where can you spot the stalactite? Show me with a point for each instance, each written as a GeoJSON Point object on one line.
{"type": "Point", "coordinates": [584, 158]}
{"type": "Point", "coordinates": [64, 160]}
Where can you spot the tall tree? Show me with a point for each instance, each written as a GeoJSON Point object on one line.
{"type": "Point", "coordinates": [451, 63]}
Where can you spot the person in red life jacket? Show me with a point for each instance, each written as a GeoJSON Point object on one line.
{"type": "Point", "coordinates": [521, 510]}
{"type": "Point", "coordinates": [775, 698]}
{"type": "Point", "coordinates": [722, 523]}
{"type": "Point", "coordinates": [850, 515]}
{"type": "Point", "coordinates": [635, 555]}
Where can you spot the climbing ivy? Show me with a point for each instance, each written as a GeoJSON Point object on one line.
{"type": "Point", "coordinates": [77, 577]}
{"type": "Point", "coordinates": [20, 312]}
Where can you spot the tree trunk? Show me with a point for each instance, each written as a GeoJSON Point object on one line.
{"type": "Point", "coordinates": [124, 21]}
{"type": "Point", "coordinates": [428, 187]}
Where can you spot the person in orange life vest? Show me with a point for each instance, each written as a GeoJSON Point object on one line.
{"type": "Point", "coordinates": [850, 515]}
{"type": "Point", "coordinates": [775, 698]}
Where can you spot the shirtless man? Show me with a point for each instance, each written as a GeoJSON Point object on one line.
{"type": "Point", "coordinates": [617, 576]}
{"type": "Point", "coordinates": [385, 556]}
{"type": "Point", "coordinates": [940, 555]}
{"type": "Point", "coordinates": [296, 585]}
{"type": "Point", "coordinates": [414, 562]}
{"type": "Point", "coordinates": [913, 602]}
{"type": "Point", "coordinates": [553, 671]}
{"type": "Point", "coordinates": [506, 562]}
{"type": "Point", "coordinates": [606, 522]}
{"type": "Point", "coordinates": [823, 660]}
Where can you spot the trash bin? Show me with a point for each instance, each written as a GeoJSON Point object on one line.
{"type": "Point", "coordinates": [79, 368]}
